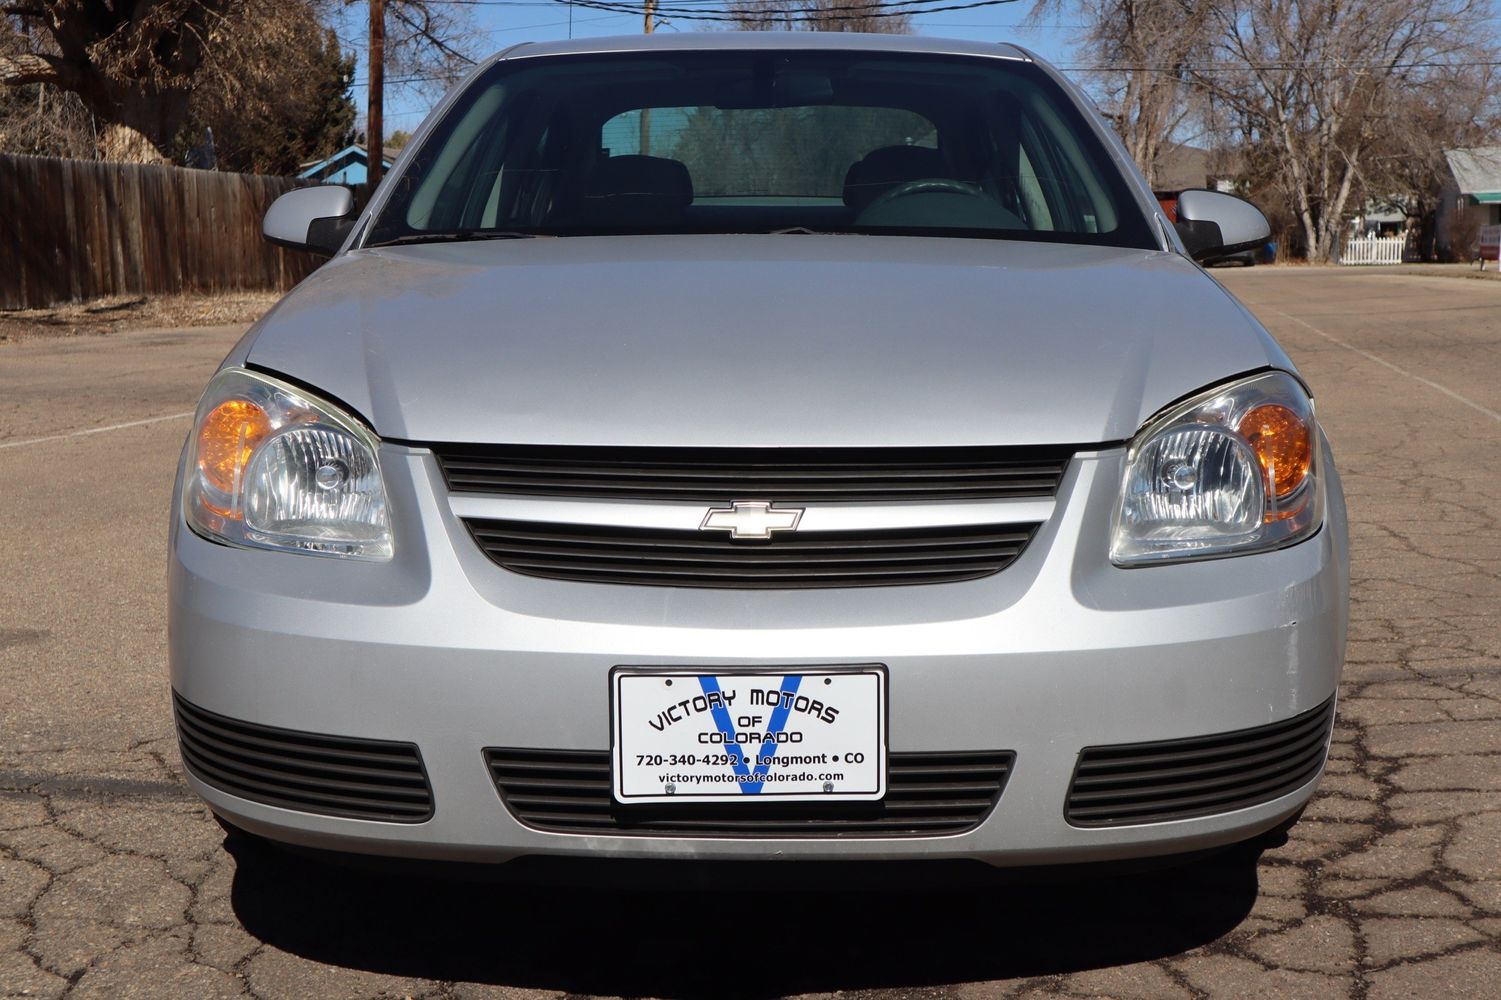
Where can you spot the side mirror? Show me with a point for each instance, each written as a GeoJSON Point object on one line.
{"type": "Point", "coordinates": [1213, 224]}
{"type": "Point", "coordinates": [311, 218]}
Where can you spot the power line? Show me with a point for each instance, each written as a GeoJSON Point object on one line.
{"type": "Point", "coordinates": [507, 29]}
{"type": "Point", "coordinates": [693, 10]}
{"type": "Point", "coordinates": [1107, 68]}
{"type": "Point", "coordinates": [411, 78]}
{"type": "Point", "coordinates": [856, 12]}
{"type": "Point", "coordinates": [1284, 67]}
{"type": "Point", "coordinates": [690, 10]}
{"type": "Point", "coordinates": [673, 4]}
{"type": "Point", "coordinates": [1016, 26]}
{"type": "Point", "coordinates": [848, 10]}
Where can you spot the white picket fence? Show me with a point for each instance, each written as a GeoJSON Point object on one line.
{"type": "Point", "coordinates": [1374, 250]}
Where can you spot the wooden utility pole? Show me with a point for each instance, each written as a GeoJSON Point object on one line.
{"type": "Point", "coordinates": [651, 8]}
{"type": "Point", "coordinates": [374, 127]}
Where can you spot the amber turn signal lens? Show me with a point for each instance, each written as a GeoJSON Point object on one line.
{"type": "Point", "coordinates": [1283, 444]}
{"type": "Point", "coordinates": [226, 439]}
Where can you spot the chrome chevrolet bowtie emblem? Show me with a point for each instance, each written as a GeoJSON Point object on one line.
{"type": "Point", "coordinates": [751, 520]}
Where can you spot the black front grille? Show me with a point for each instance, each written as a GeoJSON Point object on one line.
{"type": "Point", "coordinates": [1179, 779]}
{"type": "Point", "coordinates": [928, 795]}
{"type": "Point", "coordinates": [309, 772]}
{"type": "Point", "coordinates": [783, 475]}
{"type": "Point", "coordinates": [700, 559]}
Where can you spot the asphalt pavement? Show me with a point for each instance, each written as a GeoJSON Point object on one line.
{"type": "Point", "coordinates": [115, 882]}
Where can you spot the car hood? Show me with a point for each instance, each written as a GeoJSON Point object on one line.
{"type": "Point", "coordinates": [777, 340]}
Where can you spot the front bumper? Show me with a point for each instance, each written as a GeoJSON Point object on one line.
{"type": "Point", "coordinates": [1060, 651]}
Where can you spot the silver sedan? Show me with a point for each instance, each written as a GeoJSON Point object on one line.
{"type": "Point", "coordinates": [759, 446]}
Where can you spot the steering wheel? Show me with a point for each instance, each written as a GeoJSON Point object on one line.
{"type": "Point", "coordinates": [928, 185]}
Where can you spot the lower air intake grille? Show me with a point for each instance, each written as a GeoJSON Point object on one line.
{"type": "Point", "coordinates": [699, 559]}
{"type": "Point", "coordinates": [1179, 779]}
{"type": "Point", "coordinates": [331, 775]}
{"type": "Point", "coordinates": [928, 795]}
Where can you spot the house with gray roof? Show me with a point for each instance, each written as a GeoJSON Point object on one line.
{"type": "Point", "coordinates": [1477, 177]}
{"type": "Point", "coordinates": [1472, 201]}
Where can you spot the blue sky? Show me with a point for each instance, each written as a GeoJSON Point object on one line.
{"type": "Point", "coordinates": [502, 23]}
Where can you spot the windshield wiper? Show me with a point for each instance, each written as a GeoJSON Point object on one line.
{"type": "Point", "coordinates": [456, 236]}
{"type": "Point", "coordinates": [805, 231]}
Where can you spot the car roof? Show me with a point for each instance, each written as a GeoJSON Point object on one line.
{"type": "Point", "coordinates": [712, 41]}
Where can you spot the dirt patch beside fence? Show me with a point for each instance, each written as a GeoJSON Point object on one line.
{"type": "Point", "coordinates": [134, 312]}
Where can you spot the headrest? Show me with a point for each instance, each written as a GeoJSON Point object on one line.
{"type": "Point", "coordinates": [641, 177]}
{"type": "Point", "coordinates": [883, 169]}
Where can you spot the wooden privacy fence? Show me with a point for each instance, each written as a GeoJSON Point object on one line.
{"type": "Point", "coordinates": [78, 229]}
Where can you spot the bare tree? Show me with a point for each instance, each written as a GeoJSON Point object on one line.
{"type": "Point", "coordinates": [414, 45]}
{"type": "Point", "coordinates": [135, 64]}
{"type": "Point", "coordinates": [275, 101]}
{"type": "Point", "coordinates": [800, 149]}
{"type": "Point", "coordinates": [40, 119]}
{"type": "Point", "coordinates": [429, 43]}
{"type": "Point", "coordinates": [1325, 85]}
{"type": "Point", "coordinates": [1144, 49]}
{"type": "Point", "coordinates": [131, 63]}
{"type": "Point", "coordinates": [819, 15]}
{"type": "Point", "coordinates": [1454, 108]}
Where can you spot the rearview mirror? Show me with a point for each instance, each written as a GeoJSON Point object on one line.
{"type": "Point", "coordinates": [311, 218]}
{"type": "Point", "coordinates": [1212, 224]}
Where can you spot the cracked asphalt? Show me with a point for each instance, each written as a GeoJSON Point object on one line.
{"type": "Point", "coordinates": [115, 881]}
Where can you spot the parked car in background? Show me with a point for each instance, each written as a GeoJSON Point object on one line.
{"type": "Point", "coordinates": [1264, 254]}
{"type": "Point", "coordinates": [750, 446]}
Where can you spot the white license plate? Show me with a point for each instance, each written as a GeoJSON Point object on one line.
{"type": "Point", "coordinates": [744, 736]}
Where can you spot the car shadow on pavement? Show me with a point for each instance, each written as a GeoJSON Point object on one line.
{"type": "Point", "coordinates": [735, 936]}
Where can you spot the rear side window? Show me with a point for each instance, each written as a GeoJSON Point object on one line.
{"type": "Point", "coordinates": [756, 141]}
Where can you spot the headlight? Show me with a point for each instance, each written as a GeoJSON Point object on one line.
{"type": "Point", "coordinates": [1232, 470]}
{"type": "Point", "coordinates": [271, 466]}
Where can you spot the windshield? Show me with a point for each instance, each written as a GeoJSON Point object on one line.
{"type": "Point", "coordinates": [746, 142]}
